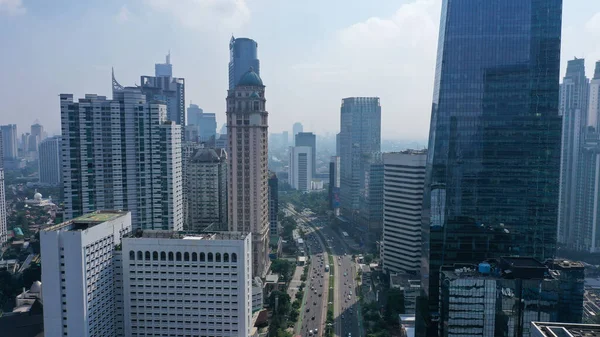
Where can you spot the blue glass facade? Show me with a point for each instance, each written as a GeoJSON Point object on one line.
{"type": "Point", "coordinates": [243, 54]}
{"type": "Point", "coordinates": [495, 133]}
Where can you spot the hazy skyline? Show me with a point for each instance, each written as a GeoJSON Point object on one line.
{"type": "Point", "coordinates": [313, 53]}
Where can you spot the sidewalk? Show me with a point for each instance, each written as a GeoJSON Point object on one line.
{"type": "Point", "coordinates": [295, 283]}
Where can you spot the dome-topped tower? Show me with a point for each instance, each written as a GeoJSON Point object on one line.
{"type": "Point", "coordinates": [250, 79]}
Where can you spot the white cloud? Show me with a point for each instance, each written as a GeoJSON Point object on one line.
{"type": "Point", "coordinates": [392, 57]}
{"type": "Point", "coordinates": [593, 24]}
{"type": "Point", "coordinates": [123, 15]}
{"type": "Point", "coordinates": [12, 7]}
{"type": "Point", "coordinates": [206, 15]}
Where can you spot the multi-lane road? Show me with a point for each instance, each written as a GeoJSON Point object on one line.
{"type": "Point", "coordinates": [317, 286]}
{"type": "Point", "coordinates": [347, 320]}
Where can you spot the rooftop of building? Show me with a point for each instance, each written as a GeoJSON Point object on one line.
{"type": "Point", "coordinates": [250, 79]}
{"type": "Point", "coordinates": [403, 280]}
{"type": "Point", "coordinates": [87, 221]}
{"type": "Point", "coordinates": [208, 155]}
{"type": "Point", "coordinates": [504, 268]}
{"type": "Point", "coordinates": [184, 235]}
{"type": "Point", "coordinates": [565, 329]}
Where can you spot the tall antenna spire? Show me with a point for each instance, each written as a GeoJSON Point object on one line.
{"type": "Point", "coordinates": [115, 85]}
{"type": "Point", "coordinates": [169, 57]}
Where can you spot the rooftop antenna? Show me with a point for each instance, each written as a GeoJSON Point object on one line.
{"type": "Point", "coordinates": [169, 57]}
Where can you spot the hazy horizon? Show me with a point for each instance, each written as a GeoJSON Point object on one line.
{"type": "Point", "coordinates": [312, 54]}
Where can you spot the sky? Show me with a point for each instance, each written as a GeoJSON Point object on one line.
{"type": "Point", "coordinates": [313, 53]}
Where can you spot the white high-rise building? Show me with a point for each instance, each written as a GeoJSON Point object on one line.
{"type": "Point", "coordinates": [9, 141]}
{"type": "Point", "coordinates": [187, 285]}
{"type": "Point", "coordinates": [3, 236]}
{"type": "Point", "coordinates": [207, 190]}
{"type": "Point", "coordinates": [300, 167]}
{"type": "Point", "coordinates": [122, 154]}
{"type": "Point", "coordinates": [403, 182]}
{"type": "Point", "coordinates": [247, 123]}
{"type": "Point", "coordinates": [80, 294]}
{"type": "Point", "coordinates": [50, 161]}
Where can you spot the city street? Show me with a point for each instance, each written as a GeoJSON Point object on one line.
{"type": "Point", "coordinates": [347, 320]}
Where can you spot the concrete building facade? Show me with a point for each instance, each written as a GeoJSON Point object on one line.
{"type": "Point", "coordinates": [308, 139]}
{"type": "Point", "coordinates": [247, 132]}
{"type": "Point", "coordinates": [178, 285]}
{"type": "Point", "coordinates": [207, 190]}
{"type": "Point", "coordinates": [404, 180]}
{"type": "Point", "coordinates": [122, 154]}
{"type": "Point", "coordinates": [79, 275]}
{"type": "Point", "coordinates": [300, 168]}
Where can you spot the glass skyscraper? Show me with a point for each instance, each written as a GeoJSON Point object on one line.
{"type": "Point", "coordinates": [243, 54]}
{"type": "Point", "coordinates": [359, 140]}
{"type": "Point", "coordinates": [494, 145]}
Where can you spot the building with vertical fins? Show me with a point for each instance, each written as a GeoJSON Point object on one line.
{"type": "Point", "coordinates": [49, 162]}
{"type": "Point", "coordinates": [243, 54]}
{"type": "Point", "coordinates": [573, 109]}
{"type": "Point", "coordinates": [493, 161]}
{"type": "Point", "coordinates": [247, 131]}
{"type": "Point", "coordinates": [122, 154]}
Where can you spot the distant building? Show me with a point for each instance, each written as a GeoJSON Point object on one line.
{"type": "Point", "coordinates": [50, 161]}
{"type": "Point", "coordinates": [206, 190]}
{"type": "Point", "coordinates": [3, 233]}
{"type": "Point", "coordinates": [205, 124]}
{"type": "Point", "coordinates": [169, 90]}
{"type": "Point", "coordinates": [80, 297]}
{"type": "Point", "coordinates": [243, 55]}
{"type": "Point", "coordinates": [499, 297]}
{"type": "Point", "coordinates": [308, 139]}
{"type": "Point", "coordinates": [334, 184]}
{"type": "Point", "coordinates": [297, 128]}
{"type": "Point", "coordinates": [359, 138]}
{"type": "Point", "coordinates": [573, 109]}
{"type": "Point", "coordinates": [370, 217]}
{"type": "Point", "coordinates": [164, 69]}
{"type": "Point", "coordinates": [187, 150]}
{"type": "Point", "coordinates": [403, 183]}
{"type": "Point", "coordinates": [273, 204]}
{"type": "Point", "coordinates": [9, 141]}
{"type": "Point", "coordinates": [300, 163]}
{"type": "Point", "coordinates": [129, 161]}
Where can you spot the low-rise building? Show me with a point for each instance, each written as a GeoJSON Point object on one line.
{"type": "Point", "coordinates": [547, 329]}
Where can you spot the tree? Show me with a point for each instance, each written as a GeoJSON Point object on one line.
{"type": "Point", "coordinates": [394, 305]}
{"type": "Point", "coordinates": [284, 268]}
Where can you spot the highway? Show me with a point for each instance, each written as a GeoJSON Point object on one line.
{"type": "Point", "coordinates": [346, 312]}
{"type": "Point", "coordinates": [316, 290]}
